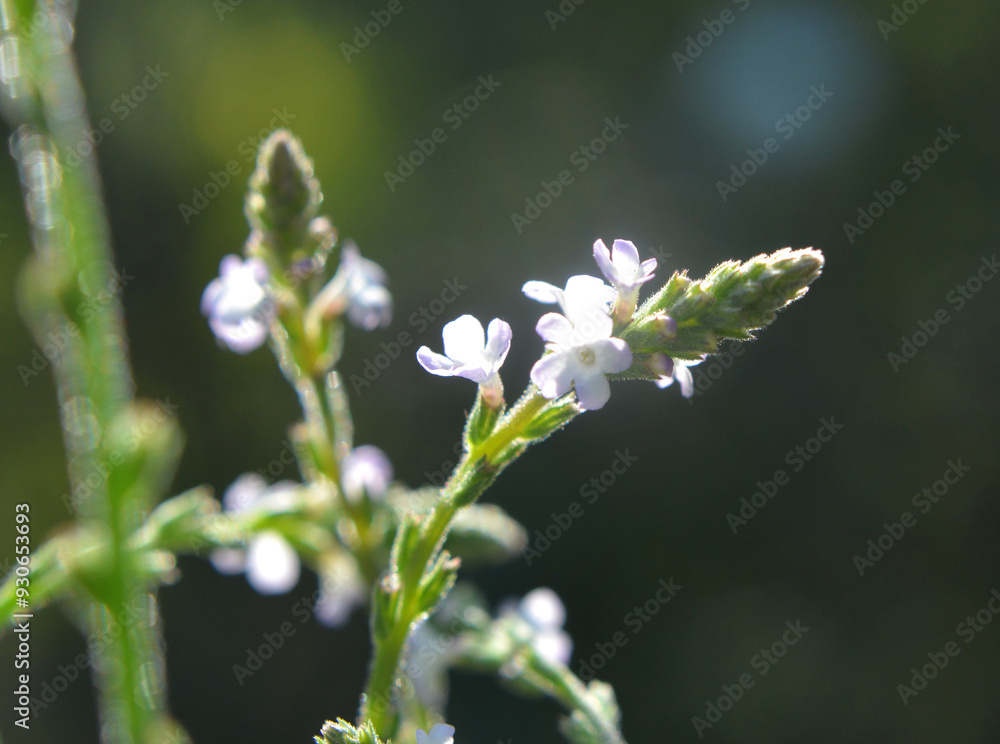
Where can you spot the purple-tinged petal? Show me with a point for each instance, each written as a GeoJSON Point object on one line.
{"type": "Point", "coordinates": [556, 329]}
{"type": "Point", "coordinates": [441, 733]}
{"type": "Point", "coordinates": [366, 469]}
{"type": "Point", "coordinates": [626, 256]}
{"type": "Point", "coordinates": [435, 363]}
{"type": "Point", "coordinates": [498, 338]}
{"type": "Point", "coordinates": [543, 609]}
{"type": "Point", "coordinates": [612, 355]}
{"type": "Point", "coordinates": [553, 374]}
{"type": "Point", "coordinates": [603, 258]}
{"type": "Point", "coordinates": [685, 379]}
{"type": "Point", "coordinates": [243, 492]}
{"type": "Point", "coordinates": [592, 389]}
{"type": "Point", "coordinates": [543, 292]}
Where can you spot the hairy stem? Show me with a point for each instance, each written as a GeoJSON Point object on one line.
{"type": "Point", "coordinates": [65, 288]}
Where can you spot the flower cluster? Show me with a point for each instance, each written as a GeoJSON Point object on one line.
{"type": "Point", "coordinates": [581, 348]}
{"type": "Point", "coordinates": [237, 304]}
{"type": "Point", "coordinates": [240, 304]}
{"type": "Point", "coordinates": [538, 620]}
{"type": "Point", "coordinates": [270, 562]}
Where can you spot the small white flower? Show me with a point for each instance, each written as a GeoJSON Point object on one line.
{"type": "Point", "coordinates": [270, 563]}
{"type": "Point", "coordinates": [358, 288]}
{"type": "Point", "coordinates": [366, 470]}
{"type": "Point", "coordinates": [441, 733]}
{"type": "Point", "coordinates": [579, 360]}
{"type": "Point", "coordinates": [471, 353]}
{"type": "Point", "coordinates": [341, 589]}
{"type": "Point", "coordinates": [427, 658]}
{"type": "Point", "coordinates": [622, 268]}
{"type": "Point", "coordinates": [544, 614]}
{"type": "Point", "coordinates": [237, 304]}
{"type": "Point", "coordinates": [682, 375]}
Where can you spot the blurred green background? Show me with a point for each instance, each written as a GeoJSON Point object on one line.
{"type": "Point", "coordinates": [230, 65]}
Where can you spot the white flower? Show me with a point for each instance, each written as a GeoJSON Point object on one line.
{"type": "Point", "coordinates": [427, 658]}
{"type": "Point", "coordinates": [441, 733]}
{"type": "Point", "coordinates": [544, 614]}
{"type": "Point", "coordinates": [621, 266]}
{"type": "Point", "coordinates": [270, 563]}
{"type": "Point", "coordinates": [366, 470]}
{"type": "Point", "coordinates": [472, 354]}
{"type": "Point", "coordinates": [468, 351]}
{"type": "Point", "coordinates": [586, 299]}
{"type": "Point", "coordinates": [682, 375]}
{"type": "Point", "coordinates": [578, 359]}
{"type": "Point", "coordinates": [358, 288]}
{"type": "Point", "coordinates": [341, 589]}
{"type": "Point", "coordinates": [237, 304]}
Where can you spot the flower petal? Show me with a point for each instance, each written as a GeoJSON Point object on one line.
{"type": "Point", "coordinates": [612, 355]}
{"type": "Point", "coordinates": [228, 561]}
{"type": "Point", "coordinates": [464, 340]}
{"type": "Point", "coordinates": [587, 304]}
{"type": "Point", "coordinates": [685, 379]}
{"type": "Point", "coordinates": [555, 646]}
{"type": "Point", "coordinates": [498, 338]}
{"type": "Point", "coordinates": [646, 269]}
{"type": "Point", "coordinates": [435, 363]}
{"type": "Point", "coordinates": [603, 258]}
{"type": "Point", "coordinates": [272, 565]}
{"type": "Point", "coordinates": [592, 389]}
{"type": "Point", "coordinates": [441, 733]}
{"type": "Point", "coordinates": [542, 608]}
{"type": "Point", "coordinates": [366, 469]}
{"type": "Point", "coordinates": [553, 373]}
{"type": "Point", "coordinates": [556, 329]}
{"type": "Point", "coordinates": [243, 492]}
{"type": "Point", "coordinates": [626, 257]}
{"type": "Point", "coordinates": [543, 292]}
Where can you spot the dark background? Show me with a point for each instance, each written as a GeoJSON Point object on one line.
{"type": "Point", "coordinates": [656, 185]}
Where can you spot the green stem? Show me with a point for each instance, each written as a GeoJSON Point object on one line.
{"type": "Point", "coordinates": [473, 474]}
{"type": "Point", "coordinates": [572, 693]}
{"type": "Point", "coordinates": [63, 288]}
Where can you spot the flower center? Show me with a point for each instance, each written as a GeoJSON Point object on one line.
{"type": "Point", "coordinates": [585, 355]}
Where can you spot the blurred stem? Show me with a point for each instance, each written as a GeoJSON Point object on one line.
{"type": "Point", "coordinates": [569, 690]}
{"type": "Point", "coordinates": [63, 290]}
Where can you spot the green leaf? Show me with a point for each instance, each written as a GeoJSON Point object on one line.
{"type": "Point", "coordinates": [485, 533]}
{"type": "Point", "coordinates": [437, 582]}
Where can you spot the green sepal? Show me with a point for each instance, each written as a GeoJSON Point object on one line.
{"type": "Point", "coordinates": [481, 423]}
{"type": "Point", "coordinates": [551, 418]}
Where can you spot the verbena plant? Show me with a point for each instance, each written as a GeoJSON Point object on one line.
{"type": "Point", "coordinates": [374, 543]}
